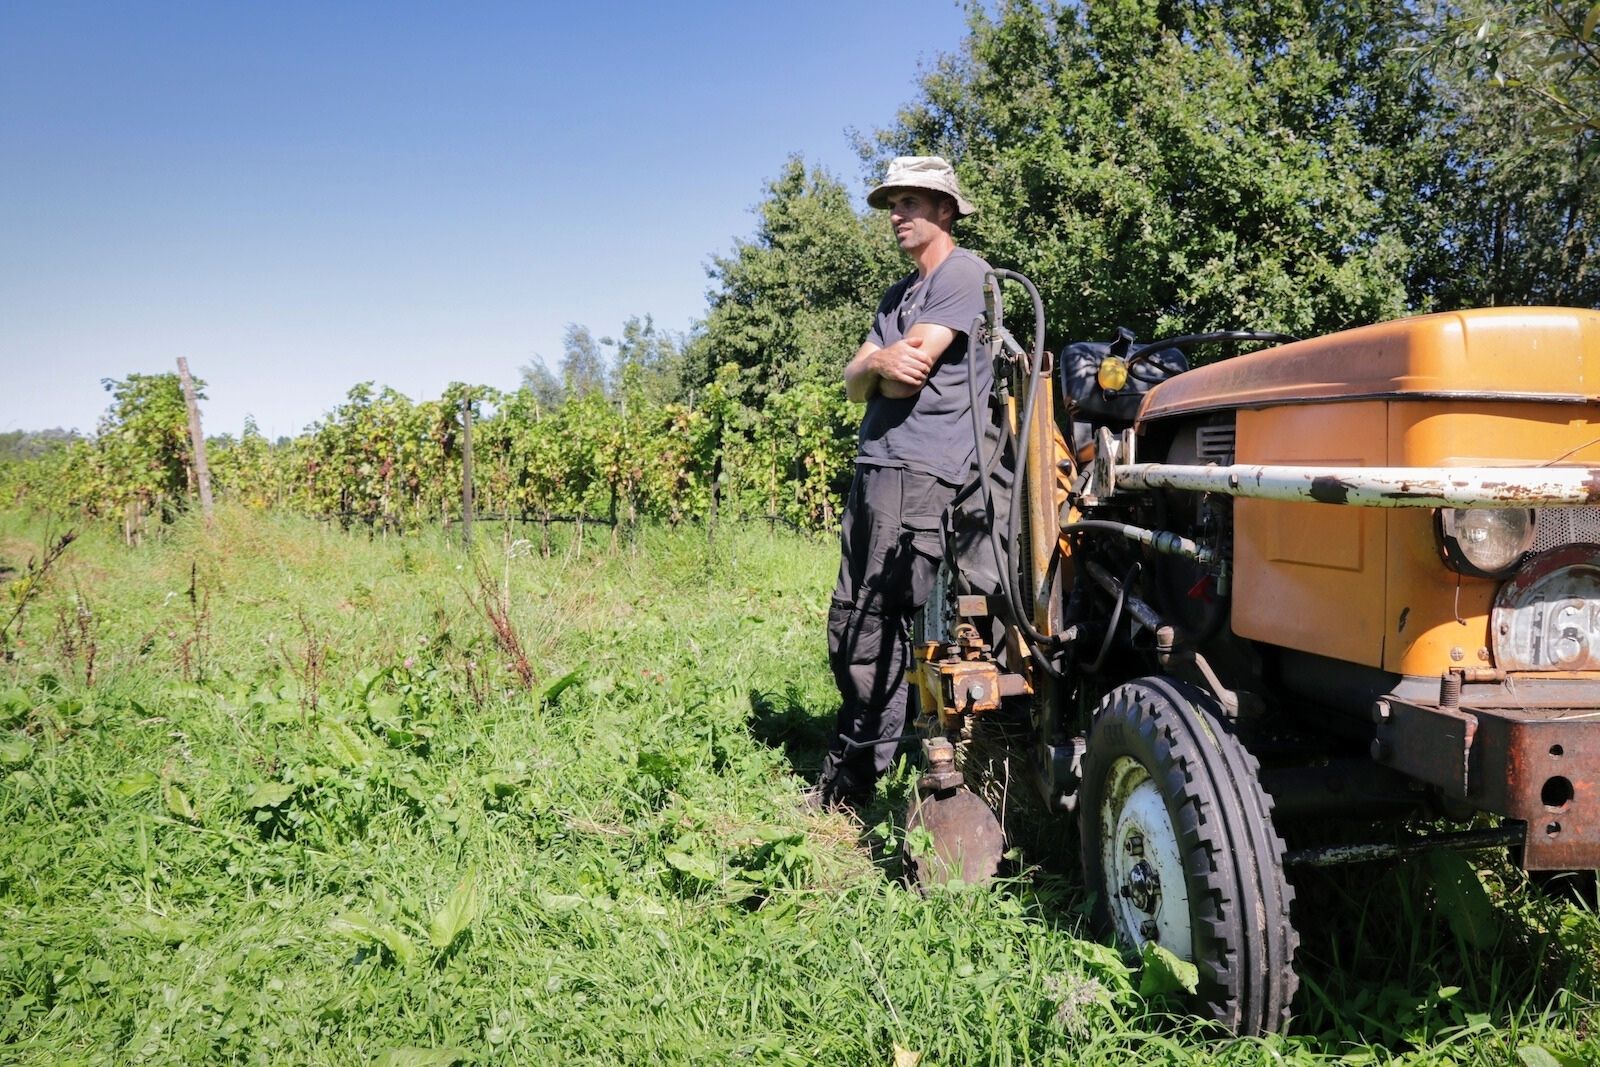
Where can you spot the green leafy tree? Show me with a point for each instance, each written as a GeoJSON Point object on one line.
{"type": "Point", "coordinates": [1520, 88]}
{"type": "Point", "coordinates": [793, 303]}
{"type": "Point", "coordinates": [583, 364]}
{"type": "Point", "coordinates": [541, 384]}
{"type": "Point", "coordinates": [1183, 167]}
{"type": "Point", "coordinates": [1543, 53]}
{"type": "Point", "coordinates": [31, 444]}
{"type": "Point", "coordinates": [649, 364]}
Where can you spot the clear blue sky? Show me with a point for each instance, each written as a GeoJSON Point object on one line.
{"type": "Point", "coordinates": [301, 196]}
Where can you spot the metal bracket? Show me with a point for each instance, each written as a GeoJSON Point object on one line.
{"type": "Point", "coordinates": [1432, 745]}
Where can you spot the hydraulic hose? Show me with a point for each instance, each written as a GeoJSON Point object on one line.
{"type": "Point", "coordinates": [1002, 561]}
{"type": "Point", "coordinates": [1162, 541]}
{"type": "Point", "coordinates": [1010, 570]}
{"type": "Point", "coordinates": [985, 465]}
{"type": "Point", "coordinates": [1116, 620]}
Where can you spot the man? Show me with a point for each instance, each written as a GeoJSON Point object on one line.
{"type": "Point", "coordinates": [915, 452]}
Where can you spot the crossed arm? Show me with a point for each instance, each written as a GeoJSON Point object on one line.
{"type": "Point", "coordinates": [896, 370]}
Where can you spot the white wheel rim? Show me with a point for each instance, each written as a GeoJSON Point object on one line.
{"type": "Point", "coordinates": [1143, 863]}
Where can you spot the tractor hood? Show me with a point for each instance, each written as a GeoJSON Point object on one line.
{"type": "Point", "coordinates": [1550, 355]}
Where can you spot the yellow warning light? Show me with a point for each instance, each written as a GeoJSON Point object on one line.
{"type": "Point", "coordinates": [1112, 375]}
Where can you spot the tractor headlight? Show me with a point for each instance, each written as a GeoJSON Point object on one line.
{"type": "Point", "coordinates": [1485, 542]}
{"type": "Point", "coordinates": [1112, 374]}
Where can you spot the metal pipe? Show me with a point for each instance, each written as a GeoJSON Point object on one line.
{"type": "Point", "coordinates": [1464, 841]}
{"type": "Point", "coordinates": [1373, 487]}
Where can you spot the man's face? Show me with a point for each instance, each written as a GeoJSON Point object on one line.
{"type": "Point", "coordinates": [918, 217]}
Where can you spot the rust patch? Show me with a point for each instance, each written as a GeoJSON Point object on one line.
{"type": "Point", "coordinates": [1326, 490]}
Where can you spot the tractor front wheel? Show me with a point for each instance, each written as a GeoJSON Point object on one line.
{"type": "Point", "coordinates": [1178, 844]}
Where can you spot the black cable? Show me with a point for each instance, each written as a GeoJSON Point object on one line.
{"type": "Point", "coordinates": [1116, 620]}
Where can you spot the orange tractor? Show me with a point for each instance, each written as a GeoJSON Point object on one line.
{"type": "Point", "coordinates": [1349, 578]}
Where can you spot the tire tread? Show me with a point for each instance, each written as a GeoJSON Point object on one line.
{"type": "Point", "coordinates": [1244, 940]}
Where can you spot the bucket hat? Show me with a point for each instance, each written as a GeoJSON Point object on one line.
{"type": "Point", "coordinates": [921, 172]}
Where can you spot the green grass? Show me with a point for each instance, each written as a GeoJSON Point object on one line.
{"type": "Point", "coordinates": [303, 813]}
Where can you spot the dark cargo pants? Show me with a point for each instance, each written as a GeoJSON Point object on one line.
{"type": "Point", "coordinates": [891, 544]}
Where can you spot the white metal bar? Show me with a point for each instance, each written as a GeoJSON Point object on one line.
{"type": "Point", "coordinates": [1376, 487]}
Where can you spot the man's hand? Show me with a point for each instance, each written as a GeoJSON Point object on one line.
{"type": "Point", "coordinates": [900, 369]}
{"type": "Point", "coordinates": [906, 362]}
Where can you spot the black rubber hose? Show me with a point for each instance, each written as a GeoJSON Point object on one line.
{"type": "Point", "coordinates": [1111, 628]}
{"type": "Point", "coordinates": [1002, 561]}
{"type": "Point", "coordinates": [1018, 485]}
{"type": "Point", "coordinates": [1011, 576]}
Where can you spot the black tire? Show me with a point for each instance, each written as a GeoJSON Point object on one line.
{"type": "Point", "coordinates": [1168, 787]}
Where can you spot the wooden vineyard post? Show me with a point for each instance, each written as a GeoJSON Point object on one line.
{"type": "Point", "coordinates": [202, 470]}
{"type": "Point", "coordinates": [466, 471]}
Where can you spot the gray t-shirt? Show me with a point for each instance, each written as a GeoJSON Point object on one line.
{"type": "Point", "coordinates": [930, 431]}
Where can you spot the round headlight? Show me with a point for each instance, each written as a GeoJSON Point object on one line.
{"type": "Point", "coordinates": [1486, 542]}
{"type": "Point", "coordinates": [1112, 374]}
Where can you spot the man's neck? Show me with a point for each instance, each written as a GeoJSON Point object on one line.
{"type": "Point", "coordinates": [935, 252]}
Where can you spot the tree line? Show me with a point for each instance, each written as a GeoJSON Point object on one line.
{"type": "Point", "coordinates": [1171, 166]}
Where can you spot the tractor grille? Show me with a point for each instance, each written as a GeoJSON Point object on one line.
{"type": "Point", "coordinates": [1214, 444]}
{"type": "Point", "coordinates": [1554, 527]}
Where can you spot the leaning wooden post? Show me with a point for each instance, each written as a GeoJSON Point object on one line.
{"type": "Point", "coordinates": [466, 471]}
{"type": "Point", "coordinates": [202, 471]}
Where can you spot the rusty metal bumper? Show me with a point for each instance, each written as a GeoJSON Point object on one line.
{"type": "Point", "coordinates": [1516, 757]}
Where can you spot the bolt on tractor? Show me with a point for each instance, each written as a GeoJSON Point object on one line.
{"type": "Point", "coordinates": [1346, 581]}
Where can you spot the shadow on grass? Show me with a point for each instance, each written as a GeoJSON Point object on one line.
{"type": "Point", "coordinates": [1042, 862]}
{"type": "Point", "coordinates": [1402, 954]}
{"type": "Point", "coordinates": [784, 720]}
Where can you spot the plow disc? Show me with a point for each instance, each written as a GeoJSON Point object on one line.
{"type": "Point", "coordinates": [967, 841]}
